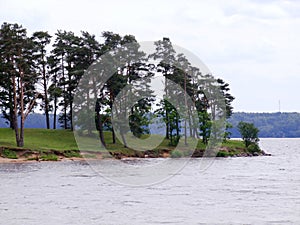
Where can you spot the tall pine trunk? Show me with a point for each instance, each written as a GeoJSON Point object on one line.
{"type": "Point", "coordinates": [186, 112]}
{"type": "Point", "coordinates": [55, 113]}
{"type": "Point", "coordinates": [111, 104]}
{"type": "Point", "coordinates": [99, 123]}
{"type": "Point", "coordinates": [21, 135]}
{"type": "Point", "coordinates": [113, 136]}
{"type": "Point", "coordinates": [15, 111]}
{"type": "Point", "coordinates": [100, 129]}
{"type": "Point", "coordinates": [11, 110]}
{"type": "Point", "coordinates": [167, 112]}
{"type": "Point", "coordinates": [46, 97]}
{"type": "Point", "coordinates": [55, 103]}
{"type": "Point", "coordinates": [167, 125]}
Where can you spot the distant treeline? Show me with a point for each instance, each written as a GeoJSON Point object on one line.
{"type": "Point", "coordinates": [34, 120]}
{"type": "Point", "coordinates": [276, 125]}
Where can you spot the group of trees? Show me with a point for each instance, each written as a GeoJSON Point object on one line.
{"type": "Point", "coordinates": [271, 125]}
{"type": "Point", "coordinates": [34, 74]}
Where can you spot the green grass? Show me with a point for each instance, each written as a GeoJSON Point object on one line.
{"type": "Point", "coordinates": [222, 154]}
{"type": "Point", "coordinates": [70, 154]}
{"type": "Point", "coordinates": [6, 153]}
{"type": "Point", "coordinates": [49, 157]}
{"type": "Point", "coordinates": [40, 139]}
{"type": "Point", "coordinates": [234, 144]}
{"type": "Point", "coordinates": [43, 140]}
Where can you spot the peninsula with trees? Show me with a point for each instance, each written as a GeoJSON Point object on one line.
{"type": "Point", "coordinates": [39, 72]}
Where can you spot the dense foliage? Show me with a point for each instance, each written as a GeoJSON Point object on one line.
{"type": "Point", "coordinates": [249, 133]}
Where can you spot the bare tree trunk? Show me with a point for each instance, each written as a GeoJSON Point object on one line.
{"type": "Point", "coordinates": [55, 103]}
{"type": "Point", "coordinates": [71, 115]}
{"type": "Point", "coordinates": [124, 140]}
{"type": "Point", "coordinates": [23, 114]}
{"type": "Point", "coordinates": [64, 94]}
{"type": "Point", "coordinates": [195, 126]}
{"type": "Point", "coordinates": [89, 128]}
{"type": "Point", "coordinates": [186, 112]}
{"type": "Point", "coordinates": [11, 111]}
{"type": "Point", "coordinates": [65, 111]}
{"type": "Point", "coordinates": [113, 136]}
{"type": "Point", "coordinates": [15, 111]}
{"type": "Point", "coordinates": [113, 131]}
{"type": "Point", "coordinates": [177, 126]}
{"type": "Point", "coordinates": [54, 113]}
{"type": "Point", "coordinates": [99, 123]}
{"type": "Point", "coordinates": [167, 125]}
{"type": "Point", "coordinates": [21, 136]}
{"type": "Point", "coordinates": [190, 123]}
{"type": "Point", "coordinates": [100, 128]}
{"type": "Point", "coordinates": [71, 102]}
{"type": "Point", "coordinates": [46, 97]}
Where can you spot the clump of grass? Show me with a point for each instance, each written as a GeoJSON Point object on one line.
{"type": "Point", "coordinates": [223, 154]}
{"type": "Point", "coordinates": [49, 157]}
{"type": "Point", "coordinates": [234, 144]}
{"type": "Point", "coordinates": [7, 153]}
{"type": "Point", "coordinates": [70, 154]}
{"type": "Point", "coordinates": [176, 154]}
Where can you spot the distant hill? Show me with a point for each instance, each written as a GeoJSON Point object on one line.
{"type": "Point", "coordinates": [277, 125]}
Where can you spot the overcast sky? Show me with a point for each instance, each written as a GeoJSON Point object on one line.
{"type": "Point", "coordinates": [254, 45]}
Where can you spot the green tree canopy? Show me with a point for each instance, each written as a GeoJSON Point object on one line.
{"type": "Point", "coordinates": [249, 133]}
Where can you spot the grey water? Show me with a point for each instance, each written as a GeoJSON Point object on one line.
{"type": "Point", "coordinates": [247, 190]}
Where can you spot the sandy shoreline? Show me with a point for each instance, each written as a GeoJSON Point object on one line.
{"type": "Point", "coordinates": [25, 160]}
{"type": "Point", "coordinates": [29, 156]}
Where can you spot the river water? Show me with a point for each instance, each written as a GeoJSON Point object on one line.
{"type": "Point", "coordinates": [249, 190]}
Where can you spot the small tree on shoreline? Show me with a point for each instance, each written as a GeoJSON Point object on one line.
{"type": "Point", "coordinates": [249, 133]}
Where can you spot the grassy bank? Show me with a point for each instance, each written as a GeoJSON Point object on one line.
{"type": "Point", "coordinates": [55, 144]}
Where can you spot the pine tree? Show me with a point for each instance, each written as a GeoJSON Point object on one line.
{"type": "Point", "coordinates": [41, 39]}
{"type": "Point", "coordinates": [67, 48]}
{"type": "Point", "coordinates": [54, 90]}
{"type": "Point", "coordinates": [17, 52]}
{"type": "Point", "coordinates": [165, 53]}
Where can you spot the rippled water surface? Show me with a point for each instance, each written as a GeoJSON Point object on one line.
{"type": "Point", "coordinates": [254, 190]}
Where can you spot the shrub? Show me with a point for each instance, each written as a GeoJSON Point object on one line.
{"type": "Point", "coordinates": [49, 157]}
{"type": "Point", "coordinates": [6, 153]}
{"type": "Point", "coordinates": [253, 147]}
{"type": "Point", "coordinates": [176, 154]}
{"type": "Point", "coordinates": [222, 154]}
